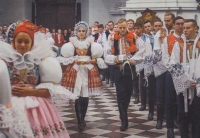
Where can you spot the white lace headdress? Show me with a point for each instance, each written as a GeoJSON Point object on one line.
{"type": "Point", "coordinates": [81, 24]}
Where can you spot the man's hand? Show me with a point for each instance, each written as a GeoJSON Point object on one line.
{"type": "Point", "coordinates": [117, 60]}
{"type": "Point", "coordinates": [193, 85]}
{"type": "Point", "coordinates": [131, 62]}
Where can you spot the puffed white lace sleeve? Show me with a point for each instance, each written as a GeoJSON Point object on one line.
{"type": "Point", "coordinates": [67, 52]}
{"type": "Point", "coordinates": [50, 74]}
{"type": "Point", "coordinates": [5, 94]}
{"type": "Point", "coordinates": [96, 50]}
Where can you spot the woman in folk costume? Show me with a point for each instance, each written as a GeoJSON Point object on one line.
{"type": "Point", "coordinates": [34, 83]}
{"type": "Point", "coordinates": [82, 76]}
{"type": "Point", "coordinates": [184, 63]}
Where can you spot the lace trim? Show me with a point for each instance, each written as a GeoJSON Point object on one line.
{"type": "Point", "coordinates": [139, 67]}
{"type": "Point", "coordinates": [157, 56]}
{"type": "Point", "coordinates": [181, 83]}
{"type": "Point", "coordinates": [65, 61]}
{"type": "Point", "coordinates": [5, 116]}
{"type": "Point", "coordinates": [96, 91]}
{"type": "Point", "coordinates": [82, 44]}
{"type": "Point", "coordinates": [92, 91]}
{"type": "Point", "coordinates": [159, 69]}
{"type": "Point", "coordinates": [59, 95]}
{"type": "Point", "coordinates": [39, 51]}
{"type": "Point", "coordinates": [16, 120]}
{"type": "Point", "coordinates": [148, 61]}
{"type": "Point", "coordinates": [180, 78]}
{"type": "Point", "coordinates": [45, 130]}
{"type": "Point", "coordinates": [148, 71]}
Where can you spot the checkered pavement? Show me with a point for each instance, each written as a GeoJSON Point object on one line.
{"type": "Point", "coordinates": [102, 120]}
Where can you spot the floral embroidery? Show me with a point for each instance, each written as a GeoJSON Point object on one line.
{"type": "Point", "coordinates": [31, 80]}
{"type": "Point", "coordinates": [15, 80]}
{"type": "Point", "coordinates": [31, 76]}
{"type": "Point", "coordinates": [45, 130]}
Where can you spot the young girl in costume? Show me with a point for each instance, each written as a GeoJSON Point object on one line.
{"type": "Point", "coordinates": [82, 76]}
{"type": "Point", "coordinates": [34, 77]}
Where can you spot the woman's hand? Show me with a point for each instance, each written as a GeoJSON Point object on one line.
{"type": "Point", "coordinates": [76, 61]}
{"type": "Point", "coordinates": [22, 90]}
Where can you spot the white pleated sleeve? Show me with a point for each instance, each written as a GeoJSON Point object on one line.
{"type": "Point", "coordinates": [50, 75]}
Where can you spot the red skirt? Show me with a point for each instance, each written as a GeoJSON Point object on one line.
{"type": "Point", "coordinates": [94, 81]}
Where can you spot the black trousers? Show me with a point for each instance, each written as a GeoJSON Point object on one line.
{"type": "Point", "coordinates": [124, 86]}
{"type": "Point", "coordinates": [192, 117]}
{"type": "Point", "coordinates": [151, 92]}
{"type": "Point", "coordinates": [143, 89]}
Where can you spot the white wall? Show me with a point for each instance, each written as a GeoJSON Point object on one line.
{"type": "Point", "coordinates": [14, 10]}
{"type": "Point", "coordinates": [84, 10]}
{"type": "Point", "coordinates": [98, 10]}
{"type": "Point", "coordinates": [184, 8]}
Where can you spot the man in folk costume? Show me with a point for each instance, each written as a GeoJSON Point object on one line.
{"type": "Point", "coordinates": [140, 68]}
{"type": "Point", "coordinates": [184, 61]}
{"type": "Point", "coordinates": [159, 71]}
{"type": "Point", "coordinates": [130, 26]}
{"type": "Point", "coordinates": [59, 41]}
{"type": "Point", "coordinates": [150, 81]}
{"type": "Point", "coordinates": [124, 55]}
{"type": "Point", "coordinates": [140, 44]}
{"type": "Point", "coordinates": [168, 19]}
{"type": "Point", "coordinates": [101, 41]}
{"type": "Point", "coordinates": [110, 43]}
{"type": "Point", "coordinates": [170, 94]}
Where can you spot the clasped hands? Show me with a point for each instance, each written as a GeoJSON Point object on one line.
{"type": "Point", "coordinates": [92, 61]}
{"type": "Point", "coordinates": [21, 90]}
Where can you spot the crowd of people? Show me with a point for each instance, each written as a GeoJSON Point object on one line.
{"type": "Point", "coordinates": [156, 62]}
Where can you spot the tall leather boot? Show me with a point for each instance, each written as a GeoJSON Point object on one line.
{"type": "Point", "coordinates": [160, 114]}
{"type": "Point", "coordinates": [85, 101]}
{"type": "Point", "coordinates": [143, 98]}
{"type": "Point", "coordinates": [123, 116]}
{"type": "Point", "coordinates": [111, 79]}
{"type": "Point", "coordinates": [170, 123]}
{"type": "Point", "coordinates": [136, 90]}
{"type": "Point", "coordinates": [151, 108]}
{"type": "Point", "coordinates": [107, 76]}
{"type": "Point", "coordinates": [79, 114]}
{"type": "Point", "coordinates": [175, 116]}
